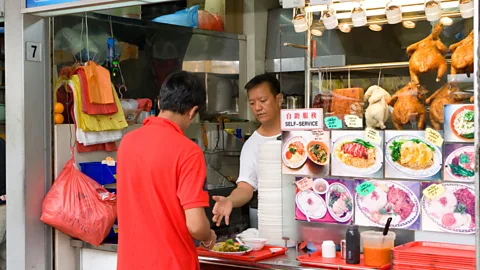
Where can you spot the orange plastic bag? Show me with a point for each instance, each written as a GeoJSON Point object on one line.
{"type": "Point", "coordinates": [99, 84]}
{"type": "Point", "coordinates": [78, 206]}
{"type": "Point", "coordinates": [208, 21]}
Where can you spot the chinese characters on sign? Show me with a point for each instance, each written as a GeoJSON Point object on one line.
{"type": "Point", "coordinates": [303, 119]}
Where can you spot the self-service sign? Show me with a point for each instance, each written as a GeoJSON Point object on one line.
{"type": "Point", "coordinates": [41, 3]}
{"type": "Point", "coordinates": [302, 119]}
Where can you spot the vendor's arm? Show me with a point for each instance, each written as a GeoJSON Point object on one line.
{"type": "Point", "coordinates": [238, 198]}
{"type": "Point", "coordinates": [246, 184]}
{"type": "Point", "coordinates": [193, 197]}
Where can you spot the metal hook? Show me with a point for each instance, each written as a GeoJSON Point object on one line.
{"type": "Point", "coordinates": [379, 77]}
{"type": "Point", "coordinates": [120, 88]}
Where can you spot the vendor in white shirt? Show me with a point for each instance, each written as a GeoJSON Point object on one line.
{"type": "Point", "coordinates": [265, 101]}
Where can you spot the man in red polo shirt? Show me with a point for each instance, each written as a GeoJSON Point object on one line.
{"type": "Point", "coordinates": [161, 185]}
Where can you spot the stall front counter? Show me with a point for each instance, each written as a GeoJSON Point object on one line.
{"type": "Point", "coordinates": [88, 257]}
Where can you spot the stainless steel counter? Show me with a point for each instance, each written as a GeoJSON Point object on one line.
{"type": "Point", "coordinates": [286, 261]}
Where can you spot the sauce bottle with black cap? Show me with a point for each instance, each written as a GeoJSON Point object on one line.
{"type": "Point", "coordinates": [353, 245]}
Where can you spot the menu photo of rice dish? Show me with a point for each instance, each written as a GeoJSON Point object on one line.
{"type": "Point", "coordinates": [327, 201]}
{"type": "Point", "coordinates": [452, 211]}
{"type": "Point", "coordinates": [459, 122]}
{"type": "Point", "coordinates": [354, 155]}
{"type": "Point", "coordinates": [459, 164]}
{"type": "Point", "coordinates": [306, 153]}
{"type": "Point", "coordinates": [395, 199]}
{"type": "Point", "coordinates": [409, 155]}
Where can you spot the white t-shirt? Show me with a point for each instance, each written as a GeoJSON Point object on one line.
{"type": "Point", "coordinates": [249, 159]}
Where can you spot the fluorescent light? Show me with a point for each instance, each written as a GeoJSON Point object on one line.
{"type": "Point", "coordinates": [317, 32]}
{"type": "Point", "coordinates": [409, 24]}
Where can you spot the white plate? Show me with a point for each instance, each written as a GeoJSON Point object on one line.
{"type": "Point", "coordinates": [449, 159]}
{"type": "Point", "coordinates": [349, 215]}
{"type": "Point", "coordinates": [363, 171]}
{"type": "Point", "coordinates": [449, 187]}
{"type": "Point", "coordinates": [412, 218]}
{"type": "Point", "coordinates": [321, 201]}
{"type": "Point", "coordinates": [429, 172]}
{"type": "Point", "coordinates": [234, 253]}
{"type": "Point", "coordinates": [300, 163]}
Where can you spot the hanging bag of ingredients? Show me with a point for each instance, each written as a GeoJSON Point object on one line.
{"type": "Point", "coordinates": [78, 206]}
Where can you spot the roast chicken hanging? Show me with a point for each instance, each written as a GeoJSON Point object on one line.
{"type": "Point", "coordinates": [447, 94]}
{"type": "Point", "coordinates": [408, 106]}
{"type": "Point", "coordinates": [428, 55]}
{"type": "Point", "coordinates": [462, 56]}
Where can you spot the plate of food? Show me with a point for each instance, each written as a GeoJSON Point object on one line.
{"type": "Point", "coordinates": [230, 247]}
{"type": "Point", "coordinates": [413, 156]}
{"type": "Point", "coordinates": [462, 123]}
{"type": "Point", "coordinates": [358, 155]}
{"type": "Point", "coordinates": [318, 152]}
{"type": "Point", "coordinates": [311, 204]}
{"type": "Point", "coordinates": [294, 152]}
{"type": "Point", "coordinates": [460, 164]}
{"type": "Point", "coordinates": [389, 199]}
{"type": "Point", "coordinates": [339, 202]}
{"type": "Point", "coordinates": [454, 210]}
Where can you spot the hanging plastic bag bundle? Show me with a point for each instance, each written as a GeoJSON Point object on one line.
{"type": "Point", "coordinates": [78, 206]}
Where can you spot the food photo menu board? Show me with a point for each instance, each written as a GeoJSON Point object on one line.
{"type": "Point", "coordinates": [459, 123]}
{"type": "Point", "coordinates": [408, 155]}
{"type": "Point", "coordinates": [305, 145]}
{"type": "Point", "coordinates": [459, 162]}
{"type": "Point", "coordinates": [376, 201]}
{"type": "Point", "coordinates": [448, 207]}
{"type": "Point", "coordinates": [354, 155]}
{"type": "Point", "coordinates": [324, 200]}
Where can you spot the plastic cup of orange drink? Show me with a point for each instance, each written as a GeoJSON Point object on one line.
{"type": "Point", "coordinates": [377, 248]}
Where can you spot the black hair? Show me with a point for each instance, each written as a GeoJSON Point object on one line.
{"type": "Point", "coordinates": [181, 91]}
{"type": "Point", "coordinates": [273, 83]}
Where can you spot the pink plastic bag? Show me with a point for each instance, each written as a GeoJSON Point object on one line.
{"type": "Point", "coordinates": [78, 206]}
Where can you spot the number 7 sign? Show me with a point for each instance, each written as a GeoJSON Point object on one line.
{"type": "Point", "coordinates": [33, 51]}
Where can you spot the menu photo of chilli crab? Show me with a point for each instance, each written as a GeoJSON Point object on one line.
{"type": "Point", "coordinates": [459, 122]}
{"type": "Point", "coordinates": [448, 207]}
{"type": "Point", "coordinates": [376, 201]}
{"type": "Point", "coordinates": [408, 155]}
{"type": "Point", "coordinates": [355, 156]}
{"type": "Point", "coordinates": [459, 162]}
{"type": "Point", "coordinates": [306, 153]}
{"type": "Point", "coordinates": [324, 200]}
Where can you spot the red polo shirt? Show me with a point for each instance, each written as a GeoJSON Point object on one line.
{"type": "Point", "coordinates": [161, 173]}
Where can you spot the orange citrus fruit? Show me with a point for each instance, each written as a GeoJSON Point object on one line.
{"type": "Point", "coordinates": [58, 118]}
{"type": "Point", "coordinates": [58, 108]}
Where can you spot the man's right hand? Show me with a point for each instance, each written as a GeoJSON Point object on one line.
{"type": "Point", "coordinates": [222, 209]}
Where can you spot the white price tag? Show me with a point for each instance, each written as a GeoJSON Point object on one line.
{"type": "Point", "coordinates": [373, 136]}
{"type": "Point", "coordinates": [33, 51]}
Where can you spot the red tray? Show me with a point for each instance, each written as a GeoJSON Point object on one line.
{"type": "Point", "coordinates": [316, 259]}
{"type": "Point", "coordinates": [252, 256]}
{"type": "Point", "coordinates": [437, 250]}
{"type": "Point", "coordinates": [437, 266]}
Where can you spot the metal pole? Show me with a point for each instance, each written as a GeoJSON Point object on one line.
{"type": "Point", "coordinates": [308, 63]}
{"type": "Point", "coordinates": [476, 84]}
{"type": "Point", "coordinates": [360, 67]}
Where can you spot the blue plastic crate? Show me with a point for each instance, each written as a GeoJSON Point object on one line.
{"type": "Point", "coordinates": [102, 173]}
{"type": "Point", "coordinates": [112, 237]}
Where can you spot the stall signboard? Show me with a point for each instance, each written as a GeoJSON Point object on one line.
{"type": "Point", "coordinates": [302, 119]}
{"type": "Point", "coordinates": [40, 3]}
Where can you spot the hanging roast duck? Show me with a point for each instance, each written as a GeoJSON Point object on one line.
{"type": "Point", "coordinates": [447, 94]}
{"type": "Point", "coordinates": [428, 55]}
{"type": "Point", "coordinates": [462, 56]}
{"type": "Point", "coordinates": [408, 106]}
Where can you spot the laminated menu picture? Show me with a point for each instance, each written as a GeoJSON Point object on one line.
{"type": "Point", "coordinates": [459, 163]}
{"type": "Point", "coordinates": [306, 153]}
{"type": "Point", "coordinates": [355, 156]}
{"type": "Point", "coordinates": [324, 200]}
{"type": "Point", "coordinates": [448, 207]}
{"type": "Point", "coordinates": [376, 201]}
{"type": "Point", "coordinates": [459, 123]}
{"type": "Point", "coordinates": [408, 155]}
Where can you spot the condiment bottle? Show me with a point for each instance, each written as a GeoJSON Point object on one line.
{"type": "Point", "coordinates": [353, 245]}
{"type": "Point", "coordinates": [329, 249]}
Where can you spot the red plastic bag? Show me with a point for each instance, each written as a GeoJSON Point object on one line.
{"type": "Point", "coordinates": [207, 21]}
{"type": "Point", "coordinates": [78, 206]}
